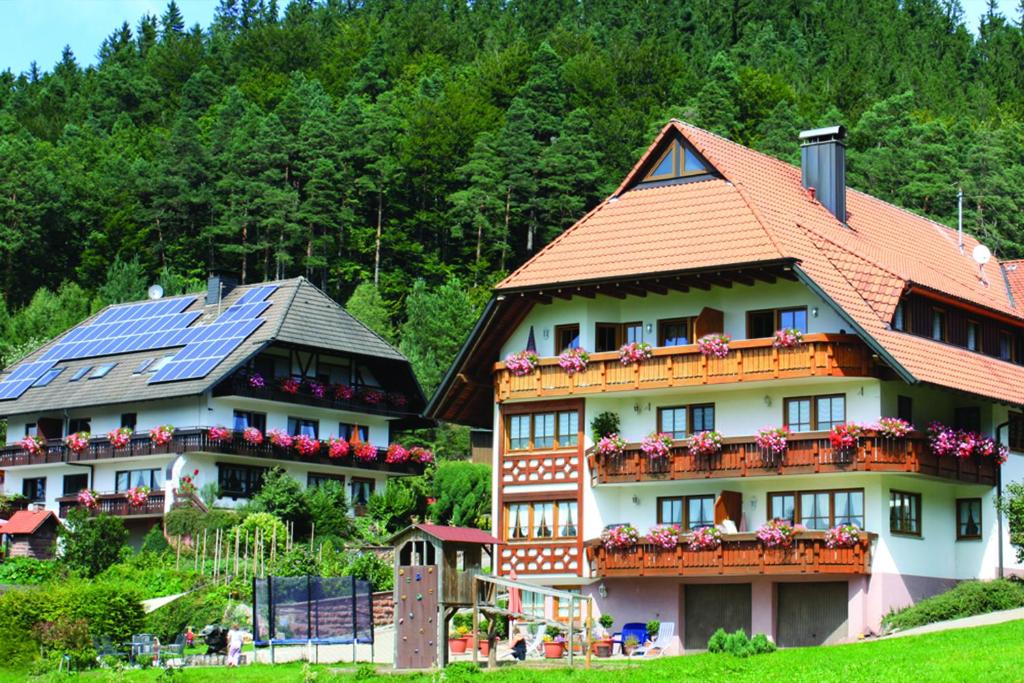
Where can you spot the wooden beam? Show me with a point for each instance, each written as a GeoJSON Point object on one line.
{"type": "Point", "coordinates": [677, 286]}
{"type": "Point", "coordinates": [764, 276]}
{"type": "Point", "coordinates": [611, 292]}
{"type": "Point", "coordinates": [743, 279]}
{"type": "Point", "coordinates": [561, 294]}
{"type": "Point", "coordinates": [695, 283]}
{"type": "Point", "coordinates": [635, 291]}
{"type": "Point", "coordinates": [657, 287]}
{"type": "Point", "coordinates": [718, 279]}
{"type": "Point", "coordinates": [585, 292]}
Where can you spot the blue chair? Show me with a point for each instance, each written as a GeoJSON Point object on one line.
{"type": "Point", "coordinates": [633, 629]}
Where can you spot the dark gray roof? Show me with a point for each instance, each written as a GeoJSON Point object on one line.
{"type": "Point", "coordinates": [300, 314]}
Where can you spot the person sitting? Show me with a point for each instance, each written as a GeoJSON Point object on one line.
{"type": "Point", "coordinates": [518, 644]}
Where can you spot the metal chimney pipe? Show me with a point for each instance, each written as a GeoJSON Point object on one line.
{"type": "Point", "coordinates": [823, 167]}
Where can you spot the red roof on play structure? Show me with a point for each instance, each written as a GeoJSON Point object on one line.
{"type": "Point", "coordinates": [457, 534]}
{"type": "Point", "coordinates": [27, 521]}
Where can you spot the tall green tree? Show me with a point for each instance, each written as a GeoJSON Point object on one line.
{"type": "Point", "coordinates": [436, 324]}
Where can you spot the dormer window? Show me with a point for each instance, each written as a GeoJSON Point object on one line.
{"type": "Point", "coordinates": [899, 317]}
{"type": "Point", "coordinates": [677, 161]}
{"type": "Point", "coordinates": [938, 324]}
{"type": "Point", "coordinates": [973, 335]}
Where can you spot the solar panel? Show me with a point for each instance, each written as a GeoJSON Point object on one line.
{"type": "Point", "coordinates": [147, 326]}
{"type": "Point", "coordinates": [48, 377]}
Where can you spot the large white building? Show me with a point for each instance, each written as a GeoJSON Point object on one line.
{"type": "Point", "coordinates": [269, 356]}
{"type": "Point", "coordinates": [706, 236]}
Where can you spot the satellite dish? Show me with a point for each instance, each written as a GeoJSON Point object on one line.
{"type": "Point", "coordinates": [981, 254]}
{"type": "Point", "coordinates": [155, 291]}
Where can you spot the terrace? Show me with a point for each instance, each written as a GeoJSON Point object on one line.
{"type": "Point", "coordinates": [806, 453]}
{"type": "Point", "coordinates": [749, 360]}
{"type": "Point", "coordinates": [117, 504]}
{"type": "Point", "coordinates": [192, 440]}
{"type": "Point", "coordinates": [739, 554]}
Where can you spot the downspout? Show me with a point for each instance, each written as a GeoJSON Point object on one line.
{"type": "Point", "coordinates": [999, 495]}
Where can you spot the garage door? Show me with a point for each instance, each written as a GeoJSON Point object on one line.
{"type": "Point", "coordinates": [709, 608]}
{"type": "Point", "coordinates": [811, 613]}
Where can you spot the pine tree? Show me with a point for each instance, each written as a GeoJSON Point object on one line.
{"type": "Point", "coordinates": [716, 105]}
{"type": "Point", "coordinates": [436, 324]}
{"type": "Point", "coordinates": [368, 307]}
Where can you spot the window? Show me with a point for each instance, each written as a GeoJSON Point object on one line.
{"type": "Point", "coordinates": [938, 324]}
{"type": "Point", "coordinates": [127, 479]}
{"type": "Point", "coordinates": [1016, 429]}
{"type": "Point", "coordinates": [159, 363]}
{"type": "Point", "coordinates": [239, 481]}
{"type": "Point", "coordinates": [688, 512]}
{"type": "Point", "coordinates": [79, 424]}
{"type": "Point", "coordinates": [80, 373]}
{"type": "Point", "coordinates": [31, 429]}
{"type": "Point", "coordinates": [141, 367]}
{"type": "Point", "coordinates": [702, 418]}
{"type": "Point", "coordinates": [310, 428]}
{"type": "Point", "coordinates": [672, 421]}
{"type": "Point", "coordinates": [567, 337]}
{"type": "Point", "coordinates": [765, 323]}
{"type": "Point", "coordinates": [816, 413]}
{"type": "Point", "coordinates": [316, 478]}
{"type": "Point", "coordinates": [34, 489]}
{"type": "Point", "coordinates": [102, 370]}
{"type": "Point", "coordinates": [968, 419]}
{"type": "Point", "coordinates": [360, 491]}
{"type": "Point", "coordinates": [244, 419]}
{"type": "Point", "coordinates": [905, 513]}
{"type": "Point", "coordinates": [361, 433]}
{"type": "Point", "coordinates": [546, 520]}
{"type": "Point", "coordinates": [973, 335]}
{"type": "Point", "coordinates": [73, 483]}
{"type": "Point", "coordinates": [899, 318]}
{"type": "Point", "coordinates": [968, 518]}
{"type": "Point", "coordinates": [676, 161]}
{"type": "Point", "coordinates": [905, 408]}
{"type": "Point", "coordinates": [129, 420]}
{"type": "Point", "coordinates": [48, 377]}
{"type": "Point", "coordinates": [675, 331]}
{"type": "Point", "coordinates": [820, 510]}
{"type": "Point", "coordinates": [543, 430]}
{"type": "Point", "coordinates": [611, 336]}
{"type": "Point", "coordinates": [1006, 346]}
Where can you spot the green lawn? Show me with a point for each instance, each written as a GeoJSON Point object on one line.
{"type": "Point", "coordinates": [990, 653]}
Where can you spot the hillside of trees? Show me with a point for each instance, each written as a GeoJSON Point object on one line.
{"type": "Point", "coordinates": [388, 142]}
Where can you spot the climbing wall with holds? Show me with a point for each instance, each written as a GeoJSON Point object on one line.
{"type": "Point", "coordinates": [416, 616]}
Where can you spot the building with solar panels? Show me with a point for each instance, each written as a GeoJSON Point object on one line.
{"type": "Point", "coordinates": [247, 377]}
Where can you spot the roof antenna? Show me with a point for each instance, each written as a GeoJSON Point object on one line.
{"type": "Point", "coordinates": [960, 216]}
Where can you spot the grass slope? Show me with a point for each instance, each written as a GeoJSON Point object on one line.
{"type": "Point", "coordinates": [990, 653]}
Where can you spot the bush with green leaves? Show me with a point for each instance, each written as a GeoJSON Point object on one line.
{"type": "Point", "coordinates": [762, 644]}
{"type": "Point", "coordinates": [154, 541]}
{"type": "Point", "coordinates": [1012, 505]}
{"type": "Point", "coordinates": [196, 609]}
{"type": "Point", "coordinates": [327, 507]}
{"type": "Point", "coordinates": [92, 543]}
{"type": "Point", "coordinates": [462, 491]}
{"type": "Point", "coordinates": [373, 568]}
{"type": "Point", "coordinates": [739, 644]}
{"type": "Point", "coordinates": [152, 573]}
{"type": "Point", "coordinates": [191, 522]}
{"type": "Point", "coordinates": [28, 571]}
{"type": "Point", "coordinates": [282, 496]}
{"type": "Point", "coordinates": [271, 529]}
{"type": "Point", "coordinates": [653, 626]}
{"type": "Point", "coordinates": [604, 424]}
{"type": "Point", "coordinates": [400, 500]}
{"type": "Point", "coordinates": [964, 600]}
{"type": "Point", "coordinates": [716, 643]}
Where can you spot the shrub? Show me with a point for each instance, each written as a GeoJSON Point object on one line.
{"type": "Point", "coordinates": [463, 492]}
{"type": "Point", "coordinates": [27, 571]}
{"type": "Point", "coordinates": [184, 521]}
{"type": "Point", "coordinates": [271, 529]}
{"type": "Point", "coordinates": [966, 599]}
{"type": "Point", "coordinates": [154, 541]}
{"type": "Point", "coordinates": [716, 643]}
{"type": "Point", "coordinates": [456, 672]}
{"type": "Point", "coordinates": [738, 644]}
{"type": "Point", "coordinates": [1013, 507]}
{"type": "Point", "coordinates": [282, 496]}
{"type": "Point", "coordinates": [328, 510]}
{"type": "Point", "coordinates": [604, 424]}
{"type": "Point", "coordinates": [91, 544]}
{"type": "Point", "coordinates": [762, 644]}
{"type": "Point", "coordinates": [154, 575]}
{"type": "Point", "coordinates": [606, 620]}
{"type": "Point", "coordinates": [197, 609]}
{"type": "Point", "coordinates": [400, 500]}
{"type": "Point", "coordinates": [653, 627]}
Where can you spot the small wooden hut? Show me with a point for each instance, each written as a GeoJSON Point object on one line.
{"type": "Point", "coordinates": [31, 533]}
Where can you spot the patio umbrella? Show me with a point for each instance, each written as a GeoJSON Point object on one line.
{"type": "Point", "coordinates": [515, 599]}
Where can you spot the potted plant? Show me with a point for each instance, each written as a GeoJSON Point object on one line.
{"type": "Point", "coordinates": [604, 424]}
{"type": "Point", "coordinates": [554, 643]}
{"type": "Point", "coordinates": [603, 646]}
{"type": "Point", "coordinates": [457, 642]}
{"type": "Point", "coordinates": [653, 626]}
{"type": "Point", "coordinates": [629, 645]}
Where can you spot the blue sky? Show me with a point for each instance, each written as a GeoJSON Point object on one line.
{"type": "Point", "coordinates": [39, 29]}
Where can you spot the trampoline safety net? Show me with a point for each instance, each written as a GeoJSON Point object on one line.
{"type": "Point", "coordinates": [301, 609]}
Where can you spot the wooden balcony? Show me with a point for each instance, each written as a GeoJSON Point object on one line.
{"type": "Point", "coordinates": [749, 360]}
{"type": "Point", "coordinates": [739, 555]}
{"type": "Point", "coordinates": [238, 385]}
{"type": "Point", "coordinates": [806, 453]}
{"type": "Point", "coordinates": [117, 504]}
{"type": "Point", "coordinates": [193, 440]}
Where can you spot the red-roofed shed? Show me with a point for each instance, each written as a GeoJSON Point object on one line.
{"type": "Point", "coordinates": [31, 533]}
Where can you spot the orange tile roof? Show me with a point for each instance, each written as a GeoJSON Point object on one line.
{"type": "Point", "coordinates": [27, 521]}
{"type": "Point", "coordinates": [760, 211]}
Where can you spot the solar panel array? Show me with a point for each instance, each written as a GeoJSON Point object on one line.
{"type": "Point", "coordinates": [149, 326]}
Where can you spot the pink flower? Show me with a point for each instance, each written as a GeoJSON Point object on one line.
{"type": "Point", "coordinates": [842, 536]}
{"type": "Point", "coordinates": [705, 538]}
{"type": "Point", "coordinates": [705, 443]}
{"type": "Point", "coordinates": [397, 453]}
{"type": "Point", "coordinates": [337, 448]}
{"type": "Point", "coordinates": [217, 434]}
{"type": "Point", "coordinates": [32, 444]}
{"type": "Point", "coordinates": [776, 534]}
{"type": "Point", "coordinates": [773, 439]}
{"type": "Point", "coordinates": [373, 396]}
{"type": "Point", "coordinates": [343, 392]}
{"type": "Point", "coordinates": [119, 438]}
{"type": "Point", "coordinates": [306, 445]}
{"type": "Point", "coordinates": [664, 536]}
{"type": "Point", "coordinates": [574, 360]}
{"type": "Point", "coordinates": [252, 436]}
{"type": "Point", "coordinates": [522, 364]}
{"type": "Point", "coordinates": [187, 483]}
{"type": "Point", "coordinates": [620, 537]}
{"type": "Point", "coordinates": [844, 436]}
{"type": "Point", "coordinates": [365, 452]}
{"type": "Point", "coordinates": [788, 338]}
{"type": "Point", "coordinates": [635, 352]}
{"type": "Point", "coordinates": [893, 427]}
{"type": "Point", "coordinates": [315, 388]}
{"type": "Point", "coordinates": [611, 444]}
{"type": "Point", "coordinates": [256, 381]}
{"type": "Point", "coordinates": [290, 385]}
{"type": "Point", "coordinates": [714, 345]}
{"type": "Point", "coordinates": [88, 499]}
{"type": "Point", "coordinates": [137, 496]}
{"type": "Point", "coordinates": [421, 455]}
{"type": "Point", "coordinates": [656, 445]}
{"type": "Point", "coordinates": [162, 435]}
{"type": "Point", "coordinates": [280, 438]}
{"type": "Point", "coordinates": [77, 442]}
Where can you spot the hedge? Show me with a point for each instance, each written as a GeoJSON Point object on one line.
{"type": "Point", "coordinates": [965, 600]}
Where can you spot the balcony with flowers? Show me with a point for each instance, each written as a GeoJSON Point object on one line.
{"type": "Point", "coordinates": [891, 445]}
{"type": "Point", "coordinates": [714, 359]}
{"type": "Point", "coordinates": [777, 548]}
{"type": "Point", "coordinates": [275, 444]}
{"type": "Point", "coordinates": [138, 501]}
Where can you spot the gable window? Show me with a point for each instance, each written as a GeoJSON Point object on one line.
{"type": "Point", "coordinates": [820, 510]}
{"type": "Point", "coordinates": [688, 512]}
{"type": "Point", "coordinates": [243, 419]}
{"type": "Point", "coordinates": [905, 513]}
{"type": "Point", "coordinates": [34, 489]}
{"type": "Point", "coordinates": [141, 367]}
{"type": "Point", "coordinates": [31, 429]}
{"type": "Point", "coordinates": [542, 520]}
{"type": "Point", "coordinates": [899, 317]}
{"type": "Point", "coordinates": [543, 430]}
{"type": "Point", "coordinates": [760, 324]}
{"type": "Point", "coordinates": [239, 481]}
{"type": "Point", "coordinates": [968, 518]}
{"type": "Point", "coordinates": [360, 491]}
{"type": "Point", "coordinates": [310, 428]}
{"type": "Point", "coordinates": [73, 483]}
{"type": "Point", "coordinates": [764, 323]}
{"type": "Point", "coordinates": [814, 413]}
{"type": "Point", "coordinates": [128, 479]}
{"type": "Point", "coordinates": [675, 162]}
{"type": "Point", "coordinates": [938, 324]}
{"type": "Point", "coordinates": [973, 335]}
{"type": "Point", "coordinates": [314, 479]}
{"type": "Point", "coordinates": [611, 336]}
{"type": "Point", "coordinates": [567, 337]}
{"type": "Point", "coordinates": [159, 363]}
{"type": "Point", "coordinates": [702, 418]}
{"type": "Point", "coordinates": [353, 432]}
{"type": "Point", "coordinates": [675, 331]}
{"type": "Point", "coordinates": [1006, 347]}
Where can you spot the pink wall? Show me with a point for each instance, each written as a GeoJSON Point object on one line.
{"type": "Point", "coordinates": [887, 591]}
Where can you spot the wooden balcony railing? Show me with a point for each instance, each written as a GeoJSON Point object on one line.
{"type": "Point", "coordinates": [739, 554]}
{"type": "Point", "coordinates": [117, 504]}
{"type": "Point", "coordinates": [749, 360]}
{"type": "Point", "coordinates": [239, 385]}
{"type": "Point", "coordinates": [193, 440]}
{"type": "Point", "coordinates": [806, 453]}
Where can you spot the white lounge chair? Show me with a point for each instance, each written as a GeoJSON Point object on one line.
{"type": "Point", "coordinates": [534, 644]}
{"type": "Point", "coordinates": [666, 633]}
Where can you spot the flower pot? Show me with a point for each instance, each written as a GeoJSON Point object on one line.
{"type": "Point", "coordinates": [553, 650]}
{"type": "Point", "coordinates": [485, 647]}
{"type": "Point", "coordinates": [604, 648]}
{"type": "Point", "coordinates": [457, 645]}
{"type": "Point", "coordinates": [470, 641]}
